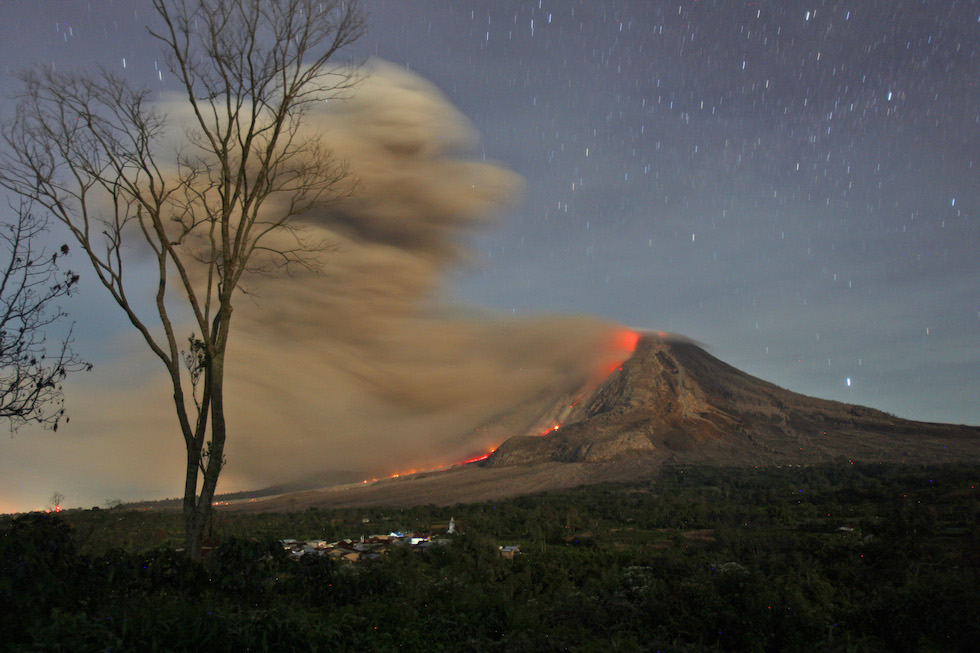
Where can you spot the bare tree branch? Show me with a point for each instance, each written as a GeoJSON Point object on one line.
{"type": "Point", "coordinates": [31, 282]}
{"type": "Point", "coordinates": [92, 152]}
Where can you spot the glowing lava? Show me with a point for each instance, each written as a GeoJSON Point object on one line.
{"type": "Point", "coordinates": [477, 458]}
{"type": "Point", "coordinates": [620, 347]}
{"type": "Point", "coordinates": [626, 340]}
{"type": "Point", "coordinates": [554, 427]}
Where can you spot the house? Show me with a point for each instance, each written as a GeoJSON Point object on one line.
{"type": "Point", "coordinates": [372, 547]}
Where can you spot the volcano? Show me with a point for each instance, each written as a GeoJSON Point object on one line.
{"type": "Point", "coordinates": [675, 401]}
{"type": "Point", "coordinates": [670, 403]}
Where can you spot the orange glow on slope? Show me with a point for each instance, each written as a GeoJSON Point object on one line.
{"type": "Point", "coordinates": [621, 346]}
{"type": "Point", "coordinates": [626, 340]}
{"type": "Point", "coordinates": [554, 427]}
{"type": "Point", "coordinates": [476, 459]}
{"type": "Point", "coordinates": [409, 472]}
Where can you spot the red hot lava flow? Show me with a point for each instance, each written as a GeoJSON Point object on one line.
{"type": "Point", "coordinates": [620, 347]}
{"type": "Point", "coordinates": [476, 459]}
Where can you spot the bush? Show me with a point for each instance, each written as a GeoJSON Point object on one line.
{"type": "Point", "coordinates": [38, 564]}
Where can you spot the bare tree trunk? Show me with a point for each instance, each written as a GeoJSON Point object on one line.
{"type": "Point", "coordinates": [192, 534]}
{"type": "Point", "coordinates": [88, 150]}
{"type": "Point", "coordinates": [210, 460]}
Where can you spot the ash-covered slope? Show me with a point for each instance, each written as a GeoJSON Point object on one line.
{"type": "Point", "coordinates": [673, 401]}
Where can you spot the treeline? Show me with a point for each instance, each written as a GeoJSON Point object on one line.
{"type": "Point", "coordinates": [837, 557]}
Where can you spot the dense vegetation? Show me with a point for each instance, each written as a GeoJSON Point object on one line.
{"type": "Point", "coordinates": [700, 559]}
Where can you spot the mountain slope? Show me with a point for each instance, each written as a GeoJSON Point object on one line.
{"type": "Point", "coordinates": [670, 403]}
{"type": "Point", "coordinates": [675, 401]}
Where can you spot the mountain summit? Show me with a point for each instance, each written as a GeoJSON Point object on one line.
{"type": "Point", "coordinates": [674, 401]}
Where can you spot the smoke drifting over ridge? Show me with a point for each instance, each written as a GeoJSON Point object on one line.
{"type": "Point", "coordinates": [357, 368]}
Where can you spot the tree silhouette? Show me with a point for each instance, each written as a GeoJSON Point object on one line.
{"type": "Point", "coordinates": [56, 500]}
{"type": "Point", "coordinates": [31, 282]}
{"type": "Point", "coordinates": [93, 151]}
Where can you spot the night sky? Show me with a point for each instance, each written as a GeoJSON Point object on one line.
{"type": "Point", "coordinates": [795, 185]}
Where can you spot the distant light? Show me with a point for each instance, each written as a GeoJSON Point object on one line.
{"type": "Point", "coordinates": [848, 382]}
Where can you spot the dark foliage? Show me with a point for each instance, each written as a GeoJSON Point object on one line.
{"type": "Point", "coordinates": [864, 558]}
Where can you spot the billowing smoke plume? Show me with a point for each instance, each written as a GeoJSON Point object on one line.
{"type": "Point", "coordinates": [355, 367]}
{"type": "Point", "coordinates": [358, 367]}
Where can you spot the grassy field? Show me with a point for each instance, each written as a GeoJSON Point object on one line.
{"type": "Point", "coordinates": [835, 557]}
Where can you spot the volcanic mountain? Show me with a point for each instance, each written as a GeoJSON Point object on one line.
{"type": "Point", "coordinates": [675, 401]}
{"type": "Point", "coordinates": [670, 403]}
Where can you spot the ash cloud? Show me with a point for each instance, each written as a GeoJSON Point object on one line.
{"type": "Point", "coordinates": [367, 370]}
{"type": "Point", "coordinates": [357, 367]}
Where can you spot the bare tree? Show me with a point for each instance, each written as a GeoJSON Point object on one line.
{"type": "Point", "coordinates": [31, 282]}
{"type": "Point", "coordinates": [56, 500]}
{"type": "Point", "coordinates": [93, 151]}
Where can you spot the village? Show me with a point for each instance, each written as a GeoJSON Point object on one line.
{"type": "Point", "coordinates": [372, 547]}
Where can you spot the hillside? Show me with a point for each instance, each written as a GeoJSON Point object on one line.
{"type": "Point", "coordinates": [670, 403]}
